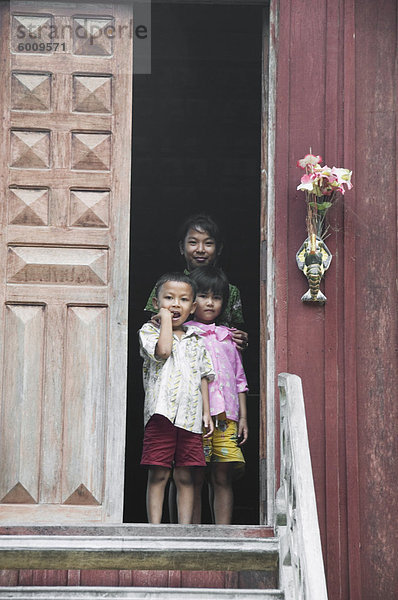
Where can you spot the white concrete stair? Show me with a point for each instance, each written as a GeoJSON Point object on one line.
{"type": "Point", "coordinates": [196, 547]}
{"type": "Point", "coordinates": [247, 550]}
{"type": "Point", "coordinates": [112, 593]}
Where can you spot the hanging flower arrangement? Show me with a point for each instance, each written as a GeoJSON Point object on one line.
{"type": "Point", "coordinates": [321, 186]}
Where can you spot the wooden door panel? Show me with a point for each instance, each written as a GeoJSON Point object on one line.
{"type": "Point", "coordinates": [65, 184]}
{"type": "Point", "coordinates": [83, 440]}
{"type": "Point", "coordinates": [21, 404]}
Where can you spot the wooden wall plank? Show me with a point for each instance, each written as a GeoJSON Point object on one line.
{"type": "Point", "coordinates": [207, 579]}
{"type": "Point", "coordinates": [300, 111]}
{"type": "Point", "coordinates": [350, 293]}
{"type": "Point", "coordinates": [377, 296]}
{"type": "Point", "coordinates": [126, 578]}
{"type": "Point", "coordinates": [8, 577]}
{"type": "Point", "coordinates": [73, 577]}
{"type": "Point", "coordinates": [335, 546]}
{"type": "Point", "coordinates": [50, 577]}
{"type": "Point", "coordinates": [174, 579]}
{"type": "Point", "coordinates": [25, 577]}
{"type": "Point", "coordinates": [105, 577]}
{"type": "Point", "coordinates": [144, 578]}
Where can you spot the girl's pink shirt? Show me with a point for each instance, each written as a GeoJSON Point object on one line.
{"type": "Point", "coordinates": [230, 379]}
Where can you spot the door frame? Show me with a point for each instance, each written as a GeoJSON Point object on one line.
{"type": "Point", "coordinates": [268, 382]}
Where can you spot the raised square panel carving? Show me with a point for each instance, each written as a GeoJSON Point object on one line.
{"type": "Point", "coordinates": [31, 91]}
{"type": "Point", "coordinates": [92, 94]}
{"type": "Point", "coordinates": [28, 206]}
{"type": "Point", "coordinates": [30, 149]}
{"type": "Point", "coordinates": [85, 404]}
{"type": "Point", "coordinates": [89, 208]}
{"type": "Point", "coordinates": [62, 266]}
{"type": "Point", "coordinates": [93, 36]}
{"type": "Point", "coordinates": [21, 418]}
{"type": "Point", "coordinates": [28, 31]}
{"type": "Point", "coordinates": [91, 151]}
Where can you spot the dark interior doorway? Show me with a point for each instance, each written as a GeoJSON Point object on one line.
{"type": "Point", "coordinates": [196, 148]}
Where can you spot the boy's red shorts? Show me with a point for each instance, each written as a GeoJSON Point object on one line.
{"type": "Point", "coordinates": [166, 445]}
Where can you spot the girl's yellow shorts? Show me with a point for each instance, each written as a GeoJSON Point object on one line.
{"type": "Point", "coordinates": [222, 445]}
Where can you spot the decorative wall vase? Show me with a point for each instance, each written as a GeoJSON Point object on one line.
{"type": "Point", "coordinates": [313, 258]}
{"type": "Point", "coordinates": [321, 186]}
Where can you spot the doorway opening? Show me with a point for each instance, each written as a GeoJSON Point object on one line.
{"type": "Point", "coordinates": [196, 149]}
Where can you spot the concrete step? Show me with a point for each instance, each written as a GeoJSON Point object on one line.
{"type": "Point", "coordinates": [195, 547]}
{"type": "Point", "coordinates": [142, 529]}
{"type": "Point", "coordinates": [138, 552]}
{"type": "Point", "coordinates": [112, 593]}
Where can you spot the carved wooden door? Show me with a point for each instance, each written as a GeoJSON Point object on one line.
{"type": "Point", "coordinates": [66, 79]}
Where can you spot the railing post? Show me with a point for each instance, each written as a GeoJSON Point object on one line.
{"type": "Point", "coordinates": [302, 572]}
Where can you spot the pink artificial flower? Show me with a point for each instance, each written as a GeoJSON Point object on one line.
{"type": "Point", "coordinates": [343, 177]}
{"type": "Point", "coordinates": [306, 183]}
{"type": "Point", "coordinates": [309, 159]}
{"type": "Point", "coordinates": [324, 171]}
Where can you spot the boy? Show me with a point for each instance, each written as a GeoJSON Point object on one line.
{"type": "Point", "coordinates": [176, 371]}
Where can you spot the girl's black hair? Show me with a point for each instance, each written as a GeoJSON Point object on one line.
{"type": "Point", "coordinates": [211, 279]}
{"type": "Point", "coordinates": [179, 277]}
{"type": "Point", "coordinates": [201, 222]}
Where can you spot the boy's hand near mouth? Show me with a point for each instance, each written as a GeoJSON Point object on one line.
{"type": "Point", "coordinates": [164, 319]}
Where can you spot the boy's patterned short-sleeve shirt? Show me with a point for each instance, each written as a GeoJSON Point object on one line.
{"type": "Point", "coordinates": [173, 386]}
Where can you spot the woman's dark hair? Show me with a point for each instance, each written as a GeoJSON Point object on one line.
{"type": "Point", "coordinates": [211, 279]}
{"type": "Point", "coordinates": [179, 277]}
{"type": "Point", "coordinates": [201, 223]}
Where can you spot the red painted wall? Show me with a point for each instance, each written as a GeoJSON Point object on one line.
{"type": "Point", "coordinates": [336, 93]}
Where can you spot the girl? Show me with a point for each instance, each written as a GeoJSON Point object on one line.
{"type": "Point", "coordinates": [227, 395]}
